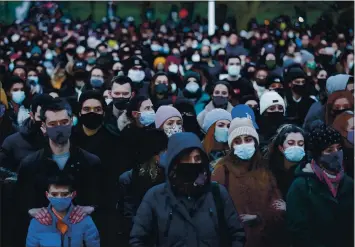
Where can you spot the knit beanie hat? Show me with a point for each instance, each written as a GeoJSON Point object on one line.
{"type": "Point", "coordinates": [151, 142]}
{"type": "Point", "coordinates": [241, 126]}
{"type": "Point", "coordinates": [272, 78]}
{"type": "Point", "coordinates": [193, 74]}
{"type": "Point", "coordinates": [214, 116]}
{"type": "Point", "coordinates": [36, 50]}
{"type": "Point", "coordinates": [295, 73]}
{"type": "Point", "coordinates": [337, 83]}
{"type": "Point", "coordinates": [321, 137]}
{"type": "Point", "coordinates": [164, 113]}
{"type": "Point", "coordinates": [159, 60]}
{"type": "Point", "coordinates": [270, 98]}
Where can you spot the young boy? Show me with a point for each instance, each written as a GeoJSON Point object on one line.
{"type": "Point", "coordinates": [61, 233]}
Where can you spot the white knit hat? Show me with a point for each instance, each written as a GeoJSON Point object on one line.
{"type": "Point", "coordinates": [270, 98]}
{"type": "Point", "coordinates": [239, 127]}
{"type": "Point", "coordinates": [214, 116]}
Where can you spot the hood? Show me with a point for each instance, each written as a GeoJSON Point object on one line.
{"type": "Point", "coordinates": [304, 170]}
{"type": "Point", "coordinates": [177, 144]}
{"type": "Point", "coordinates": [337, 83]}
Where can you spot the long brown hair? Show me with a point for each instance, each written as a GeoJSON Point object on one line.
{"type": "Point", "coordinates": [209, 142]}
{"type": "Point", "coordinates": [329, 118]}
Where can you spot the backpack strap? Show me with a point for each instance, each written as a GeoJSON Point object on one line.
{"type": "Point", "coordinates": [222, 229]}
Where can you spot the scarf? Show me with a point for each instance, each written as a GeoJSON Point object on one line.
{"type": "Point", "coordinates": [332, 181]}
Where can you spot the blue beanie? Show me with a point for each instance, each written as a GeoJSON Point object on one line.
{"type": "Point", "coordinates": [214, 116]}
{"type": "Point", "coordinates": [244, 111]}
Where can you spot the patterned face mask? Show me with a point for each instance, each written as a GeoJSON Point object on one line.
{"type": "Point", "coordinates": [171, 131]}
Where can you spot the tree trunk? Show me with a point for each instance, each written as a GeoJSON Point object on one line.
{"type": "Point", "coordinates": [246, 11]}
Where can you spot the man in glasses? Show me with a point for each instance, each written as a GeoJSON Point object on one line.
{"type": "Point", "coordinates": [58, 158]}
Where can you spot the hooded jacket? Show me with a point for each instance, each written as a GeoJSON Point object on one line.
{"type": "Point", "coordinates": [19, 145]}
{"type": "Point", "coordinates": [84, 231]}
{"type": "Point", "coordinates": [314, 217]}
{"type": "Point", "coordinates": [163, 220]}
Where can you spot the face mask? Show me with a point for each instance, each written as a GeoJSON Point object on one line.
{"type": "Point", "coordinates": [260, 82]}
{"type": "Point", "coordinates": [294, 153]}
{"type": "Point", "coordinates": [171, 131]}
{"type": "Point", "coordinates": [121, 103]}
{"type": "Point", "coordinates": [192, 87]}
{"type": "Point", "coordinates": [92, 120]}
{"type": "Point", "coordinates": [136, 75]}
{"type": "Point", "coordinates": [33, 79]}
{"type": "Point", "coordinates": [75, 121]}
{"type": "Point", "coordinates": [220, 102]}
{"type": "Point", "coordinates": [173, 87]}
{"type": "Point", "coordinates": [173, 68]}
{"type": "Point", "coordinates": [311, 65]}
{"type": "Point", "coordinates": [108, 101]}
{"type": "Point", "coordinates": [59, 134]}
{"type": "Point", "coordinates": [147, 118]}
{"type": "Point", "coordinates": [155, 47]}
{"type": "Point", "coordinates": [270, 64]}
{"type": "Point", "coordinates": [96, 82]}
{"type": "Point", "coordinates": [244, 151]}
{"type": "Point", "coordinates": [332, 162]}
{"type": "Point", "coordinates": [161, 88]}
{"type": "Point", "coordinates": [91, 60]}
{"type": "Point", "coordinates": [226, 27]}
{"type": "Point", "coordinates": [234, 70]}
{"type": "Point", "coordinates": [48, 56]}
{"type": "Point", "coordinates": [195, 58]}
{"type": "Point", "coordinates": [11, 67]}
{"type": "Point", "coordinates": [205, 54]}
{"type": "Point", "coordinates": [18, 97]}
{"type": "Point", "coordinates": [224, 42]}
{"type": "Point", "coordinates": [299, 89]}
{"type": "Point", "coordinates": [60, 204]}
{"type": "Point", "coordinates": [221, 134]}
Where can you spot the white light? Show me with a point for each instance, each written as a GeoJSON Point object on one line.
{"type": "Point", "coordinates": [300, 19]}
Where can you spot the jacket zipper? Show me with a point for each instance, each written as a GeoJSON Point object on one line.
{"type": "Point", "coordinates": [62, 236]}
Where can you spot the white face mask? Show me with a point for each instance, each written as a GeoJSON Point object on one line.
{"type": "Point", "coordinates": [226, 27]}
{"type": "Point", "coordinates": [136, 75]}
{"type": "Point", "coordinates": [108, 101]}
{"type": "Point", "coordinates": [173, 87]}
{"type": "Point", "coordinates": [192, 87]}
{"type": "Point", "coordinates": [171, 131]}
{"type": "Point", "coordinates": [195, 58]}
{"type": "Point", "coordinates": [224, 42]}
{"type": "Point", "coordinates": [173, 68]}
{"type": "Point", "coordinates": [234, 70]}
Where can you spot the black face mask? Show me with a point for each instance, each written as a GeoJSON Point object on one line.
{"type": "Point", "coordinates": [335, 113]}
{"type": "Point", "coordinates": [271, 122]}
{"type": "Point", "coordinates": [184, 179]}
{"type": "Point", "coordinates": [221, 58]}
{"type": "Point", "coordinates": [220, 102]}
{"type": "Point", "coordinates": [120, 103]}
{"type": "Point", "coordinates": [322, 83]}
{"type": "Point", "coordinates": [70, 51]}
{"type": "Point", "coordinates": [91, 120]}
{"type": "Point", "coordinates": [299, 89]}
{"type": "Point", "coordinates": [260, 82]}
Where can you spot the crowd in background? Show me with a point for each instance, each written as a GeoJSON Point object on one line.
{"type": "Point", "coordinates": [157, 134]}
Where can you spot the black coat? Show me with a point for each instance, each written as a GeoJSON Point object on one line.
{"type": "Point", "coordinates": [297, 111]}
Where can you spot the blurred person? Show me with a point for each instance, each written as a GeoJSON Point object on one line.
{"type": "Point", "coordinates": [259, 80]}
{"type": "Point", "coordinates": [337, 103]}
{"type": "Point", "coordinates": [275, 83]}
{"type": "Point", "coordinates": [97, 79]}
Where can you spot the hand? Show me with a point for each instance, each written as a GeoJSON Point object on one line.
{"type": "Point", "coordinates": [79, 212]}
{"type": "Point", "coordinates": [248, 218]}
{"type": "Point", "coordinates": [42, 215]}
{"type": "Point", "coordinates": [279, 205]}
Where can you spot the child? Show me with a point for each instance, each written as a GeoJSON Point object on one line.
{"type": "Point", "coordinates": [61, 233]}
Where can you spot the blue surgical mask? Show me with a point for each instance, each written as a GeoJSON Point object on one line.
{"type": "Point", "coordinates": [294, 153]}
{"type": "Point", "coordinates": [11, 67]}
{"type": "Point", "coordinates": [96, 81]}
{"type": "Point", "coordinates": [91, 60]}
{"type": "Point", "coordinates": [147, 117]}
{"type": "Point", "coordinates": [221, 134]}
{"type": "Point", "coordinates": [244, 151]}
{"type": "Point", "coordinates": [18, 97]}
{"type": "Point", "coordinates": [34, 79]}
{"type": "Point", "coordinates": [192, 87]}
{"type": "Point", "coordinates": [60, 204]}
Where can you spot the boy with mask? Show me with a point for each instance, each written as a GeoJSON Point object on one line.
{"type": "Point", "coordinates": [185, 208]}
{"type": "Point", "coordinates": [298, 100]}
{"type": "Point", "coordinates": [320, 201]}
{"type": "Point", "coordinates": [68, 160]}
{"type": "Point", "coordinates": [62, 232]}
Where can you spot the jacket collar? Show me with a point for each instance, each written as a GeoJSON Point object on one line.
{"type": "Point", "coordinates": [47, 151]}
{"type": "Point", "coordinates": [210, 107]}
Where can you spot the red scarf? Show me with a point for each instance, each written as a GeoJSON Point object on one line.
{"type": "Point", "coordinates": [333, 183]}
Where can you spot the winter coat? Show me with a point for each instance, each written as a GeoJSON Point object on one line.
{"type": "Point", "coordinates": [84, 231]}
{"type": "Point", "coordinates": [110, 121]}
{"type": "Point", "coordinates": [208, 108]}
{"type": "Point", "coordinates": [284, 178]}
{"type": "Point", "coordinates": [6, 128]}
{"type": "Point", "coordinates": [201, 103]}
{"type": "Point", "coordinates": [314, 217]}
{"type": "Point", "coordinates": [19, 145]}
{"type": "Point", "coordinates": [297, 111]}
{"type": "Point", "coordinates": [163, 220]}
{"type": "Point", "coordinates": [253, 192]}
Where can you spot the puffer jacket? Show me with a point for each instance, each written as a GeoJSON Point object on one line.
{"type": "Point", "coordinates": [163, 220]}
{"type": "Point", "coordinates": [84, 231]}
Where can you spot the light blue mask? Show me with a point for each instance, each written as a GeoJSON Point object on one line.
{"type": "Point", "coordinates": [75, 121]}
{"type": "Point", "coordinates": [60, 204]}
{"type": "Point", "coordinates": [96, 82]}
{"type": "Point", "coordinates": [147, 118]}
{"type": "Point", "coordinates": [244, 151]}
{"type": "Point", "coordinates": [11, 67]}
{"type": "Point", "coordinates": [294, 153]}
{"type": "Point", "coordinates": [18, 97]}
{"type": "Point", "coordinates": [221, 134]}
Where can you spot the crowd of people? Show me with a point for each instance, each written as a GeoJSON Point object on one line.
{"type": "Point", "coordinates": [157, 134]}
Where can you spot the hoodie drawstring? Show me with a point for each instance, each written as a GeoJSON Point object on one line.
{"type": "Point", "coordinates": [167, 228]}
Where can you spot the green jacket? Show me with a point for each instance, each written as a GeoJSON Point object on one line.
{"type": "Point", "coordinates": [314, 217]}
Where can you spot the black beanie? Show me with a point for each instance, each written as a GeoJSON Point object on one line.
{"type": "Point", "coordinates": [92, 94]}
{"type": "Point", "coordinates": [321, 137]}
{"type": "Point", "coordinates": [294, 73]}
{"type": "Point", "coordinates": [273, 79]}
{"type": "Point", "coordinates": [152, 142]}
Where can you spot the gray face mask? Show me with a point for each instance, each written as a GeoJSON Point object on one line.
{"type": "Point", "coordinates": [332, 162]}
{"type": "Point", "coordinates": [59, 134]}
